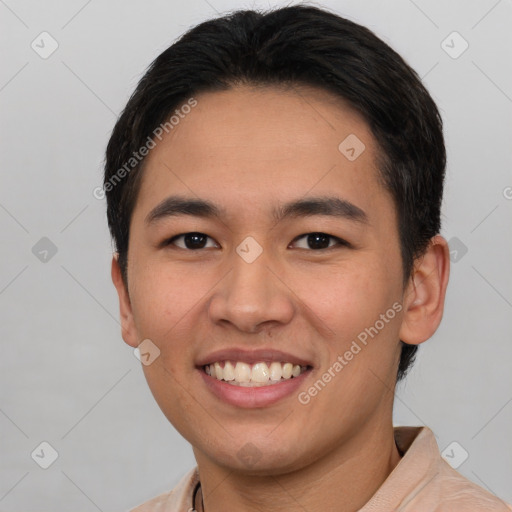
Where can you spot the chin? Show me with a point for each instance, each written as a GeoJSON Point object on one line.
{"type": "Point", "coordinates": [261, 457]}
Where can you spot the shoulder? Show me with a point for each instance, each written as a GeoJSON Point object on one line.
{"type": "Point", "coordinates": [457, 493]}
{"type": "Point", "coordinates": [423, 481]}
{"type": "Point", "coordinates": [174, 500]}
{"type": "Point", "coordinates": [157, 504]}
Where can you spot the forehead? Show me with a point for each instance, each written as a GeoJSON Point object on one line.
{"type": "Point", "coordinates": [251, 147]}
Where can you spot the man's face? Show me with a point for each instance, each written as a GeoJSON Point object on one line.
{"type": "Point", "coordinates": [250, 152]}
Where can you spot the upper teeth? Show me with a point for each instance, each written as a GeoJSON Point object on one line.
{"type": "Point", "coordinates": [241, 373]}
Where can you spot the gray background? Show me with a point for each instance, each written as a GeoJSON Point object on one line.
{"type": "Point", "coordinates": [66, 376]}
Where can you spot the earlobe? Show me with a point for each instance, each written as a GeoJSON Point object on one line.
{"type": "Point", "coordinates": [128, 330]}
{"type": "Point", "coordinates": [425, 294]}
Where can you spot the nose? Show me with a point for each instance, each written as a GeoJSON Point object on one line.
{"type": "Point", "coordinates": [253, 296]}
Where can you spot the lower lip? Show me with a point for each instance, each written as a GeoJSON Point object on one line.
{"type": "Point", "coordinates": [260, 396]}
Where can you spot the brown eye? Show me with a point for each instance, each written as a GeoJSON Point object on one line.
{"type": "Point", "coordinates": [191, 241]}
{"type": "Point", "coordinates": [318, 241]}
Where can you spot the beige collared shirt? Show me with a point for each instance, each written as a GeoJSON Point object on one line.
{"type": "Point", "coordinates": [421, 482]}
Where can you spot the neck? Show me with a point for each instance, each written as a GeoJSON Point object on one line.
{"type": "Point", "coordinates": [343, 479]}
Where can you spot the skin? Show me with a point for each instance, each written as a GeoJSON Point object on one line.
{"type": "Point", "coordinates": [249, 150]}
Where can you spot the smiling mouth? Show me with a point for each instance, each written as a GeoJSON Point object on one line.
{"type": "Point", "coordinates": [238, 373]}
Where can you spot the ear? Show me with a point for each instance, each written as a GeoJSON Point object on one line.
{"type": "Point", "coordinates": [425, 293]}
{"type": "Point", "coordinates": [128, 330]}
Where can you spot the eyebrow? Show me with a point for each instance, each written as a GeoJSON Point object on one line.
{"type": "Point", "coordinates": [325, 205]}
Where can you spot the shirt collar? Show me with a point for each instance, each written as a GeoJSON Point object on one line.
{"type": "Point", "coordinates": [418, 466]}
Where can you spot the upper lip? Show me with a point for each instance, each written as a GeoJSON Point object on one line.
{"type": "Point", "coordinates": [252, 356]}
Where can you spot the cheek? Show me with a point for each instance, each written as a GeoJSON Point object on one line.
{"type": "Point", "coordinates": [165, 292]}
{"type": "Point", "coordinates": [347, 298]}
{"type": "Point", "coordinates": [350, 303]}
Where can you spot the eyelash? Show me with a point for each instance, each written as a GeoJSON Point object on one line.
{"type": "Point", "coordinates": [340, 241]}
